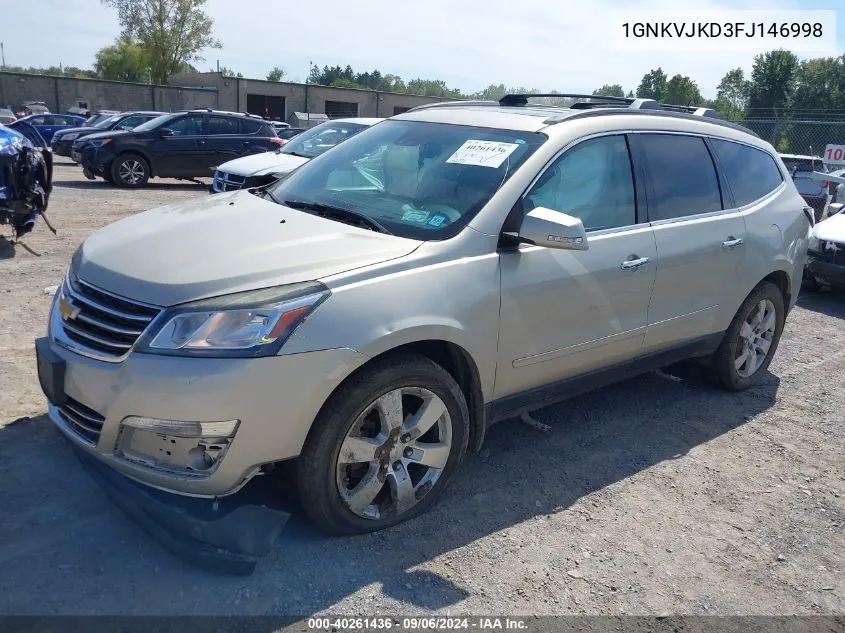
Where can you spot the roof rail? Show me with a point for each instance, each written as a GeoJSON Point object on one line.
{"type": "Point", "coordinates": [559, 118]}
{"type": "Point", "coordinates": [522, 99]}
{"type": "Point", "coordinates": [446, 104]}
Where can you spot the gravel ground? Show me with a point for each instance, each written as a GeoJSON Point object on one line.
{"type": "Point", "coordinates": [657, 495]}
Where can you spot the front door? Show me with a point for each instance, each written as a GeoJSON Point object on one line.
{"type": "Point", "coordinates": [701, 245]}
{"type": "Point", "coordinates": [565, 313]}
{"type": "Point", "coordinates": [185, 152]}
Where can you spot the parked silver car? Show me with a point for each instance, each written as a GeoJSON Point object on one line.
{"type": "Point", "coordinates": [371, 314]}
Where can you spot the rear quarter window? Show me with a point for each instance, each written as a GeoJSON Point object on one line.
{"type": "Point", "coordinates": [751, 172]}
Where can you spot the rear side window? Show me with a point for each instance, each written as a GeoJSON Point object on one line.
{"type": "Point", "coordinates": [751, 173]}
{"type": "Point", "coordinates": [682, 174]}
{"type": "Point", "coordinates": [222, 125]}
{"type": "Point", "coordinates": [249, 127]}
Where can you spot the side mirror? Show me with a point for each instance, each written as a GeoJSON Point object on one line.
{"type": "Point", "coordinates": [553, 229]}
{"type": "Point", "coordinates": [165, 131]}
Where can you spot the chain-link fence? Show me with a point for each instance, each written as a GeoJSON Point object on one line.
{"type": "Point", "coordinates": [790, 136]}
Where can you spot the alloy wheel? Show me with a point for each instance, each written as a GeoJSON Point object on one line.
{"type": "Point", "coordinates": [755, 338]}
{"type": "Point", "coordinates": [131, 171]}
{"type": "Point", "coordinates": [394, 453]}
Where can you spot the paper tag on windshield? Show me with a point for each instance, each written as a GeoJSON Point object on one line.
{"type": "Point", "coordinates": [482, 153]}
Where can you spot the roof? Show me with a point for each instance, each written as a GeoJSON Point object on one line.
{"type": "Point", "coordinates": [801, 157]}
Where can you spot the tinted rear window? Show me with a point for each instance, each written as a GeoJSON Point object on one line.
{"type": "Point", "coordinates": [751, 173]}
{"type": "Point", "coordinates": [682, 174]}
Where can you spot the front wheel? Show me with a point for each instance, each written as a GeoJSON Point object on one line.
{"type": "Point", "coordinates": [130, 170]}
{"type": "Point", "coordinates": [384, 446]}
{"type": "Point", "coordinates": [751, 340]}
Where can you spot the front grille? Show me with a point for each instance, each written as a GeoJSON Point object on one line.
{"type": "Point", "coordinates": [83, 421]}
{"type": "Point", "coordinates": [227, 182]}
{"type": "Point", "coordinates": [102, 321]}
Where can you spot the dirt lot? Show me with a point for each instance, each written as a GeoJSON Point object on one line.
{"type": "Point", "coordinates": [652, 496]}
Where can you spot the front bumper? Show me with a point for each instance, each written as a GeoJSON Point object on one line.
{"type": "Point", "coordinates": [225, 536]}
{"type": "Point", "coordinates": [828, 272]}
{"type": "Point", "coordinates": [62, 148]}
{"type": "Point", "coordinates": [275, 399]}
{"type": "Point", "coordinates": [95, 160]}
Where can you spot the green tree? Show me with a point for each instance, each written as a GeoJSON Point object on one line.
{"type": "Point", "coordinates": [653, 85]}
{"type": "Point", "coordinates": [173, 32]}
{"type": "Point", "coordinates": [228, 72]}
{"type": "Point", "coordinates": [277, 74]}
{"type": "Point", "coordinates": [610, 90]}
{"type": "Point", "coordinates": [772, 83]}
{"type": "Point", "coordinates": [732, 95]}
{"type": "Point", "coordinates": [681, 90]}
{"type": "Point", "coordinates": [125, 60]}
{"type": "Point", "coordinates": [432, 88]}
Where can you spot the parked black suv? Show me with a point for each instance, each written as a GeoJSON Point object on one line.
{"type": "Point", "coordinates": [179, 145]}
{"type": "Point", "coordinates": [63, 139]}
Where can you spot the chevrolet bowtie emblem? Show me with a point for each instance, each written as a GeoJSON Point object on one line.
{"type": "Point", "coordinates": [67, 310]}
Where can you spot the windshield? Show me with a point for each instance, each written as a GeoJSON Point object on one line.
{"type": "Point", "coordinates": [419, 180]}
{"type": "Point", "coordinates": [321, 138]}
{"type": "Point", "coordinates": [804, 164]}
{"type": "Point", "coordinates": [107, 121]}
{"type": "Point", "coordinates": [154, 123]}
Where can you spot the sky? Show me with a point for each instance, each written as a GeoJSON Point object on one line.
{"type": "Point", "coordinates": [561, 45]}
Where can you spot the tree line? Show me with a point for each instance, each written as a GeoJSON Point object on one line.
{"type": "Point", "coordinates": [160, 38]}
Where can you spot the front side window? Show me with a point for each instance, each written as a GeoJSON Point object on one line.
{"type": "Point", "coordinates": [751, 172]}
{"type": "Point", "coordinates": [417, 179]}
{"type": "Point", "coordinates": [131, 122]}
{"type": "Point", "coordinates": [190, 125]}
{"type": "Point", "coordinates": [682, 174]}
{"type": "Point", "coordinates": [219, 125]}
{"type": "Point", "coordinates": [592, 181]}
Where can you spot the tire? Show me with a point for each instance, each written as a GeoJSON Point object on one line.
{"type": "Point", "coordinates": [735, 343]}
{"type": "Point", "coordinates": [130, 170]}
{"type": "Point", "coordinates": [356, 497]}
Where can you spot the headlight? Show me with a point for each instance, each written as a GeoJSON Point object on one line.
{"type": "Point", "coordinates": [246, 324]}
{"type": "Point", "coordinates": [69, 137]}
{"type": "Point", "coordinates": [100, 142]}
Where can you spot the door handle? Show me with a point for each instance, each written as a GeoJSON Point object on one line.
{"type": "Point", "coordinates": [732, 243]}
{"type": "Point", "coordinates": [633, 264]}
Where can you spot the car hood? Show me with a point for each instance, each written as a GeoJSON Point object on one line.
{"type": "Point", "coordinates": [264, 163]}
{"type": "Point", "coordinates": [221, 244]}
{"type": "Point", "coordinates": [74, 130]}
{"type": "Point", "coordinates": [831, 229]}
{"type": "Point", "coordinates": [108, 134]}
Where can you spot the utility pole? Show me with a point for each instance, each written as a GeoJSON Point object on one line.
{"type": "Point", "coordinates": [3, 55]}
{"type": "Point", "coordinates": [307, 81]}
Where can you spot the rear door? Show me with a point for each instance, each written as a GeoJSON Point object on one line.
{"type": "Point", "coordinates": [225, 139]}
{"type": "Point", "coordinates": [185, 152]}
{"type": "Point", "coordinates": [700, 239]}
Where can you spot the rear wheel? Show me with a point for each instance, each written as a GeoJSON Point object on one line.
{"type": "Point", "coordinates": [130, 170]}
{"type": "Point", "coordinates": [384, 446]}
{"type": "Point", "coordinates": [751, 340]}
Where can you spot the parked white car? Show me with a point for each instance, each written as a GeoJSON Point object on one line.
{"type": "Point", "coordinates": [262, 169]}
{"type": "Point", "coordinates": [826, 252]}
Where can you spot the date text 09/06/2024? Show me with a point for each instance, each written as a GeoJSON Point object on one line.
{"type": "Point", "coordinates": [417, 624]}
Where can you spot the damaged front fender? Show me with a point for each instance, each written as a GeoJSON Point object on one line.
{"type": "Point", "coordinates": [26, 176]}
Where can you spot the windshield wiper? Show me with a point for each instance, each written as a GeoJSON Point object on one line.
{"type": "Point", "coordinates": [337, 213]}
{"type": "Point", "coordinates": [297, 154]}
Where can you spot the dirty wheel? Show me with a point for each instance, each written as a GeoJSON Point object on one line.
{"type": "Point", "coordinates": [130, 170]}
{"type": "Point", "coordinates": [751, 340]}
{"type": "Point", "coordinates": [384, 446]}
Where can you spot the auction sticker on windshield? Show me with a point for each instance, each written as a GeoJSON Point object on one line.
{"type": "Point", "coordinates": [482, 153]}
